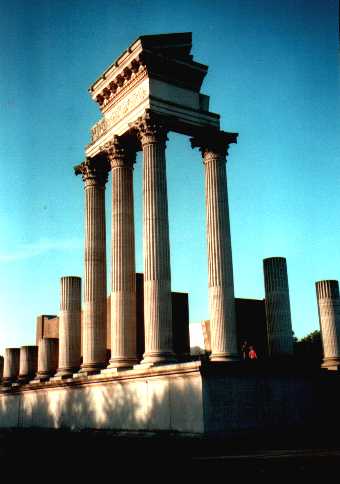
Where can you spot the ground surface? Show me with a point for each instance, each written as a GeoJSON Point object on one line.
{"type": "Point", "coordinates": [280, 456]}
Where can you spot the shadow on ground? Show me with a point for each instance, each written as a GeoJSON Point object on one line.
{"type": "Point", "coordinates": [285, 455]}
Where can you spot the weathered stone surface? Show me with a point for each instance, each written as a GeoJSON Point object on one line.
{"type": "Point", "coordinates": [157, 72]}
{"type": "Point", "coordinates": [199, 398]}
{"type": "Point", "coordinates": [94, 173]}
{"type": "Point", "coordinates": [214, 147]}
{"type": "Point", "coordinates": [170, 399]}
{"type": "Point", "coordinates": [28, 362]}
{"type": "Point", "coordinates": [11, 365]}
{"type": "Point", "coordinates": [69, 326]}
{"type": "Point", "coordinates": [47, 358]}
{"type": "Point", "coordinates": [156, 245]}
{"type": "Point", "coordinates": [123, 295]}
{"type": "Point", "coordinates": [279, 323]}
{"type": "Point", "coordinates": [329, 316]}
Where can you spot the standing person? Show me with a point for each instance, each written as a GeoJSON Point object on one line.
{"type": "Point", "coordinates": [245, 350]}
{"type": "Point", "coordinates": [252, 353]}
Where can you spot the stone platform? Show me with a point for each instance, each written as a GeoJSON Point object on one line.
{"type": "Point", "coordinates": [189, 398]}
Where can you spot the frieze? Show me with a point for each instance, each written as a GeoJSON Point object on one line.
{"type": "Point", "coordinates": [118, 112]}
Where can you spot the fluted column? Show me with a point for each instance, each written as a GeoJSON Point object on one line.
{"type": "Point", "coordinates": [47, 358]}
{"type": "Point", "coordinates": [156, 245]}
{"type": "Point", "coordinates": [123, 295]}
{"type": "Point", "coordinates": [214, 147]}
{"type": "Point", "coordinates": [11, 365]}
{"type": "Point", "coordinates": [28, 362]}
{"type": "Point", "coordinates": [94, 173]}
{"type": "Point", "coordinates": [329, 315]}
{"type": "Point", "coordinates": [69, 326]}
{"type": "Point", "coordinates": [279, 323]}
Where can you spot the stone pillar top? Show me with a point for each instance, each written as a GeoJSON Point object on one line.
{"type": "Point", "coordinates": [327, 289]}
{"type": "Point", "coordinates": [150, 128]}
{"type": "Point", "coordinates": [119, 152]}
{"type": "Point", "coordinates": [213, 141]}
{"type": "Point", "coordinates": [94, 170]}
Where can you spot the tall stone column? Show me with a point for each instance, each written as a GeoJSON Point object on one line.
{"type": "Point", "coordinates": [69, 326]}
{"type": "Point", "coordinates": [279, 323]}
{"type": "Point", "coordinates": [156, 245]}
{"type": "Point", "coordinates": [123, 295]}
{"type": "Point", "coordinates": [28, 362]}
{"type": "Point", "coordinates": [94, 173]}
{"type": "Point", "coordinates": [47, 358]}
{"type": "Point", "coordinates": [327, 293]}
{"type": "Point", "coordinates": [11, 365]}
{"type": "Point", "coordinates": [214, 146]}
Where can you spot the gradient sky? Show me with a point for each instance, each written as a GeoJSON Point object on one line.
{"type": "Point", "coordinates": [274, 78]}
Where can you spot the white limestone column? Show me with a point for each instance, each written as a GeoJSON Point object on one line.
{"type": "Point", "coordinates": [279, 323]}
{"type": "Point", "coordinates": [28, 362]}
{"type": "Point", "coordinates": [69, 326]}
{"type": "Point", "coordinates": [47, 358]}
{"type": "Point", "coordinates": [214, 148]}
{"type": "Point", "coordinates": [123, 295]}
{"type": "Point", "coordinates": [94, 173]}
{"type": "Point", "coordinates": [329, 316]}
{"type": "Point", "coordinates": [11, 365]}
{"type": "Point", "coordinates": [156, 245]}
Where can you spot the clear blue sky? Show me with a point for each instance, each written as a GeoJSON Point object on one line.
{"type": "Point", "coordinates": [274, 78]}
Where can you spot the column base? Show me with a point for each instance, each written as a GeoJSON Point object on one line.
{"type": "Point", "coordinates": [156, 359]}
{"type": "Point", "coordinates": [223, 357]}
{"type": "Point", "coordinates": [61, 377]}
{"type": "Point", "coordinates": [7, 382]}
{"type": "Point", "coordinates": [39, 379]}
{"type": "Point", "coordinates": [90, 369]}
{"type": "Point", "coordinates": [121, 363]}
{"type": "Point", "coordinates": [25, 379]}
{"type": "Point", "coordinates": [331, 364]}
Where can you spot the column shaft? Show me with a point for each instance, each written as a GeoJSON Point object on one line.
{"type": "Point", "coordinates": [11, 365]}
{"type": "Point", "coordinates": [28, 362]}
{"type": "Point", "coordinates": [69, 326]}
{"type": "Point", "coordinates": [214, 147]}
{"type": "Point", "coordinates": [329, 316]}
{"type": "Point", "coordinates": [47, 358]}
{"type": "Point", "coordinates": [279, 323]}
{"type": "Point", "coordinates": [156, 246]}
{"type": "Point", "coordinates": [220, 269]}
{"type": "Point", "coordinates": [94, 173]}
{"type": "Point", "coordinates": [123, 295]}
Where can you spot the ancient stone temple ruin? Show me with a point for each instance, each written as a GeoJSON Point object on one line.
{"type": "Point", "coordinates": [123, 361]}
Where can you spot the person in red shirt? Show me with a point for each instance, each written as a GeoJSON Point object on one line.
{"type": "Point", "coordinates": [252, 353]}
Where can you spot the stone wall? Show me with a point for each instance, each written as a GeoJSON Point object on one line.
{"type": "Point", "coordinates": [195, 397]}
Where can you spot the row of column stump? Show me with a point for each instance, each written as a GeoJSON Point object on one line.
{"type": "Point", "coordinates": [60, 358]}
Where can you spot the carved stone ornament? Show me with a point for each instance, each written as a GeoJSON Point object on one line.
{"type": "Point", "coordinates": [94, 171]}
{"type": "Point", "coordinates": [119, 153]}
{"type": "Point", "coordinates": [149, 129]}
{"type": "Point", "coordinates": [213, 143]}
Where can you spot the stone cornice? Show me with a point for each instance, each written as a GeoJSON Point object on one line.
{"type": "Point", "coordinates": [146, 58]}
{"type": "Point", "coordinates": [175, 370]}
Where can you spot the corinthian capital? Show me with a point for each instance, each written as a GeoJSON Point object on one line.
{"type": "Point", "coordinates": [149, 129]}
{"type": "Point", "coordinates": [213, 143]}
{"type": "Point", "coordinates": [94, 171]}
{"type": "Point", "coordinates": [119, 154]}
